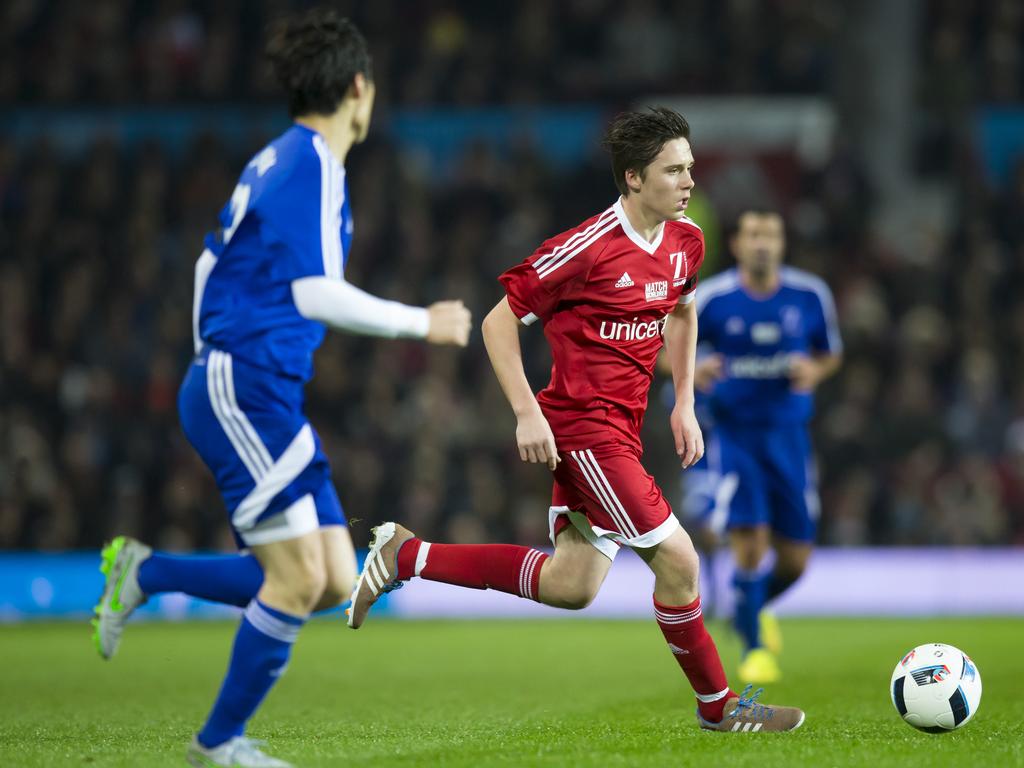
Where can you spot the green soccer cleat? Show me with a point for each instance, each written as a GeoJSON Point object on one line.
{"type": "Point", "coordinates": [120, 561]}
{"type": "Point", "coordinates": [770, 631]}
{"type": "Point", "coordinates": [759, 666]}
{"type": "Point", "coordinates": [239, 752]}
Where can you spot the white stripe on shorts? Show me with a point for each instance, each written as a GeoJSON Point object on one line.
{"type": "Point", "coordinates": [239, 430]}
{"type": "Point", "coordinates": [611, 492]}
{"type": "Point", "coordinates": [603, 490]}
{"type": "Point", "coordinates": [290, 465]}
{"type": "Point", "coordinates": [243, 421]}
{"type": "Point", "coordinates": [599, 491]}
{"type": "Point", "coordinates": [217, 392]}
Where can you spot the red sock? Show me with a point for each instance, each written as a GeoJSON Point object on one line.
{"type": "Point", "coordinates": [689, 641]}
{"type": "Point", "coordinates": [505, 567]}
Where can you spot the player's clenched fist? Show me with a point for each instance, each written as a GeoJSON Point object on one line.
{"type": "Point", "coordinates": [536, 441]}
{"type": "Point", "coordinates": [450, 323]}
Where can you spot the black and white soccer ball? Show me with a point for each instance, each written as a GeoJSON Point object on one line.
{"type": "Point", "coordinates": [936, 688]}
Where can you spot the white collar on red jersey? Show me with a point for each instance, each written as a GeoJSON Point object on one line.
{"type": "Point", "coordinates": [632, 234]}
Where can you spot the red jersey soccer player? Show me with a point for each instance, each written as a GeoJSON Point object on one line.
{"type": "Point", "coordinates": [608, 293]}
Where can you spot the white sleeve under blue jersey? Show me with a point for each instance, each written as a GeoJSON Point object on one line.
{"type": "Point", "coordinates": [757, 337]}
{"type": "Point", "coordinates": [288, 220]}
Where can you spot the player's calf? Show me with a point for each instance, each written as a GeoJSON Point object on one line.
{"type": "Point", "coordinates": [396, 556]}
{"type": "Point", "coordinates": [571, 594]}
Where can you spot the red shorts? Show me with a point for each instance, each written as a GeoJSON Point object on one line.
{"type": "Point", "coordinates": [605, 492]}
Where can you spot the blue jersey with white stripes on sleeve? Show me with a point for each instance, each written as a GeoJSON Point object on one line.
{"type": "Point", "coordinates": [757, 337]}
{"type": "Point", "coordinates": [288, 218]}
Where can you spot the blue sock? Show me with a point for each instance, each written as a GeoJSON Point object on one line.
{"type": "Point", "coordinates": [259, 657]}
{"type": "Point", "coordinates": [751, 589]}
{"type": "Point", "coordinates": [231, 579]}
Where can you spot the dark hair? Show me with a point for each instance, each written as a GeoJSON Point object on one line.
{"type": "Point", "coordinates": [315, 57]}
{"type": "Point", "coordinates": [634, 139]}
{"type": "Point", "coordinates": [751, 210]}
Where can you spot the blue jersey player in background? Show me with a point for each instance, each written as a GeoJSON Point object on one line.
{"type": "Point", "coordinates": [767, 336]}
{"type": "Point", "coordinates": [268, 283]}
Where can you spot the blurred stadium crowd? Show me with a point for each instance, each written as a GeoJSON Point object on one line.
{"type": "Point", "coordinates": [920, 437]}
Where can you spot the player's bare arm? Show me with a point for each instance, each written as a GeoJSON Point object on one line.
{"type": "Point", "coordinates": [681, 347]}
{"type": "Point", "coordinates": [807, 372]}
{"type": "Point", "coordinates": [533, 434]}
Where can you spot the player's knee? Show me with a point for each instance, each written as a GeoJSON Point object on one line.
{"type": "Point", "coordinates": [571, 600]}
{"type": "Point", "coordinates": [307, 584]}
{"type": "Point", "coordinates": [570, 595]}
{"type": "Point", "coordinates": [749, 546]}
{"type": "Point", "coordinates": [682, 571]}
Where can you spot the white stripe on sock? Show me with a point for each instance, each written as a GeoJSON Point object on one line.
{"type": "Point", "coordinates": [270, 625]}
{"type": "Point", "coordinates": [421, 558]}
{"type": "Point", "coordinates": [677, 618]}
{"type": "Point", "coordinates": [526, 573]}
{"type": "Point", "coordinates": [707, 698]}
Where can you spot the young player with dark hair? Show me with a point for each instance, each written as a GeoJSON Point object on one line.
{"type": "Point", "coordinates": [768, 337]}
{"type": "Point", "coordinates": [266, 286]}
{"type": "Point", "coordinates": [608, 293]}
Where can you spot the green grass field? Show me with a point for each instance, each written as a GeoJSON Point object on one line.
{"type": "Point", "coordinates": [514, 693]}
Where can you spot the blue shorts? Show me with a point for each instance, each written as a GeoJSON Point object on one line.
{"type": "Point", "coordinates": [248, 426]}
{"type": "Point", "coordinates": [752, 476]}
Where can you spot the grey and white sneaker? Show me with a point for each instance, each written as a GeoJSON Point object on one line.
{"type": "Point", "coordinates": [380, 570]}
{"type": "Point", "coordinates": [239, 752]}
{"type": "Point", "coordinates": [743, 714]}
{"type": "Point", "coordinates": [121, 594]}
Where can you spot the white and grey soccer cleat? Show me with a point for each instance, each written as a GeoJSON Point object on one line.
{"type": "Point", "coordinates": [120, 563]}
{"type": "Point", "coordinates": [239, 752]}
{"type": "Point", "coordinates": [380, 570]}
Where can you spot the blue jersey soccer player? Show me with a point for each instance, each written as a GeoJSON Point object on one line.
{"type": "Point", "coordinates": [266, 285]}
{"type": "Point", "coordinates": [768, 335]}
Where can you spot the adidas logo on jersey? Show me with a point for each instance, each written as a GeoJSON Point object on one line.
{"type": "Point", "coordinates": [625, 281]}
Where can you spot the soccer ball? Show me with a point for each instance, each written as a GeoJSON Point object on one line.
{"type": "Point", "coordinates": [936, 688]}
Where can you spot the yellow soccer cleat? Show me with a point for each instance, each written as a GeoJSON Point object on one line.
{"type": "Point", "coordinates": [759, 666]}
{"type": "Point", "coordinates": [771, 632]}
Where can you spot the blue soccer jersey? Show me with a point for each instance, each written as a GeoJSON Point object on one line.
{"type": "Point", "coordinates": [241, 401]}
{"type": "Point", "coordinates": [757, 337]}
{"type": "Point", "coordinates": [288, 218]}
{"type": "Point", "coordinates": [759, 467]}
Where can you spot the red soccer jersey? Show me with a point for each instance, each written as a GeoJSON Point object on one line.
{"type": "Point", "coordinates": [603, 294]}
